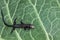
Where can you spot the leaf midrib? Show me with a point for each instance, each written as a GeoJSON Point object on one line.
{"type": "Point", "coordinates": [41, 23]}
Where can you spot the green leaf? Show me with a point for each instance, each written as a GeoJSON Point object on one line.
{"type": "Point", "coordinates": [43, 14]}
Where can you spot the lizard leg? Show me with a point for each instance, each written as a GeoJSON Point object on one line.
{"type": "Point", "coordinates": [12, 29]}
{"type": "Point", "coordinates": [14, 21]}
{"type": "Point", "coordinates": [21, 22]}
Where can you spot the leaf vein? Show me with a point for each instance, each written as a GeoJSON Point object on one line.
{"type": "Point", "coordinates": [40, 20]}
{"type": "Point", "coordinates": [19, 38]}
{"type": "Point", "coordinates": [15, 9]}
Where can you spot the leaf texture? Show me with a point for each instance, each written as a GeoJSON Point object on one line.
{"type": "Point", "coordinates": [43, 14]}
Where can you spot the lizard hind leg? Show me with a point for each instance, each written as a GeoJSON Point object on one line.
{"type": "Point", "coordinates": [12, 30]}
{"type": "Point", "coordinates": [14, 21]}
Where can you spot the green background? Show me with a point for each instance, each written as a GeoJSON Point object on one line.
{"type": "Point", "coordinates": [43, 14]}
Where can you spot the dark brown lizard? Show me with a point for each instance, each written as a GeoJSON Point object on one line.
{"type": "Point", "coordinates": [21, 25]}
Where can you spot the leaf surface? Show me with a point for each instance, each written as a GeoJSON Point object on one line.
{"type": "Point", "coordinates": [43, 14]}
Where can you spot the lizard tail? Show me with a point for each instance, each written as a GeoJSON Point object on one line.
{"type": "Point", "coordinates": [4, 20]}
